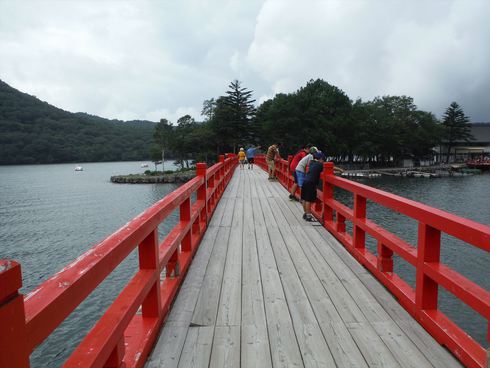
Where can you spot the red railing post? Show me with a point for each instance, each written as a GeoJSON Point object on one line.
{"type": "Point", "coordinates": [13, 340]}
{"type": "Point", "coordinates": [185, 217]}
{"type": "Point", "coordinates": [359, 215]}
{"type": "Point", "coordinates": [148, 254]}
{"type": "Point", "coordinates": [202, 192]}
{"type": "Point", "coordinates": [385, 258]}
{"type": "Point", "coordinates": [428, 250]}
{"type": "Point", "coordinates": [327, 190]}
{"type": "Point", "coordinates": [289, 182]}
{"type": "Point", "coordinates": [116, 358]}
{"type": "Point", "coordinates": [221, 171]}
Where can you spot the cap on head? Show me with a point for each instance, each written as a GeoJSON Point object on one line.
{"type": "Point", "coordinates": [241, 149]}
{"type": "Point", "coordinates": [319, 155]}
{"type": "Point", "coordinates": [313, 150]}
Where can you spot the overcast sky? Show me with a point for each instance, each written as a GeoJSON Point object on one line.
{"type": "Point", "coordinates": [162, 59]}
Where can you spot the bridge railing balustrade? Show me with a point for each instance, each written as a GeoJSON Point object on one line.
{"type": "Point", "coordinates": [422, 301]}
{"type": "Point", "coordinates": [126, 332]}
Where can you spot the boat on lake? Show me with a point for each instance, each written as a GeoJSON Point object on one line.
{"type": "Point", "coordinates": [481, 164]}
{"type": "Point", "coordinates": [78, 168]}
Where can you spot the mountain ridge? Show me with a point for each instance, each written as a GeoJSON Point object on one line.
{"type": "Point", "coordinates": [35, 132]}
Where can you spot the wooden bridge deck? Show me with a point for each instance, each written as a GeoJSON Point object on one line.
{"type": "Point", "coordinates": [267, 289]}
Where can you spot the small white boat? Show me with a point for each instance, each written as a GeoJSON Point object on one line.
{"type": "Point", "coordinates": [144, 165]}
{"type": "Point", "coordinates": [78, 168]}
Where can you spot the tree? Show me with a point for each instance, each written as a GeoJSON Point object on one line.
{"type": "Point", "coordinates": [163, 136]}
{"type": "Point", "coordinates": [183, 139]}
{"type": "Point", "coordinates": [456, 127]}
{"type": "Point", "coordinates": [231, 117]}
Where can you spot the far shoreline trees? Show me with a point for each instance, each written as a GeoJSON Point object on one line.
{"type": "Point", "coordinates": [381, 131]}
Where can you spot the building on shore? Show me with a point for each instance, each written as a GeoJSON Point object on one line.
{"type": "Point", "coordinates": [463, 151]}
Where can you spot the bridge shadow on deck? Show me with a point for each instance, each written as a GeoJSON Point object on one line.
{"type": "Point", "coordinates": [267, 289]}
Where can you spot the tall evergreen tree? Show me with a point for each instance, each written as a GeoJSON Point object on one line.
{"type": "Point", "coordinates": [231, 117]}
{"type": "Point", "coordinates": [456, 127]}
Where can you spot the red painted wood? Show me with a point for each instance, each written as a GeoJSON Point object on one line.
{"type": "Point", "coordinates": [421, 302]}
{"type": "Point", "coordinates": [121, 337]}
{"type": "Point", "coordinates": [12, 317]}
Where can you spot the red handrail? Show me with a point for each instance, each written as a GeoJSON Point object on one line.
{"type": "Point", "coordinates": [121, 337]}
{"type": "Point", "coordinates": [420, 302]}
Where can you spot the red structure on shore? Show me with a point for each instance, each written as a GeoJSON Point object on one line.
{"type": "Point", "coordinates": [482, 164]}
{"type": "Point", "coordinates": [124, 337]}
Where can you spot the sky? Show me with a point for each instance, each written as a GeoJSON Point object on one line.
{"type": "Point", "coordinates": [161, 59]}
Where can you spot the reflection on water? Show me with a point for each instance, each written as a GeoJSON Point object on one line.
{"type": "Point", "coordinates": [50, 214]}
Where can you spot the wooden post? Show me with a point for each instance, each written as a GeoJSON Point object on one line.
{"type": "Point", "coordinates": [202, 192]}
{"type": "Point", "coordinates": [13, 340]}
{"type": "Point", "coordinates": [385, 258]}
{"type": "Point", "coordinates": [428, 250]}
{"type": "Point", "coordinates": [289, 182]}
{"type": "Point", "coordinates": [149, 260]}
{"type": "Point", "coordinates": [222, 174]}
{"type": "Point", "coordinates": [359, 215]}
{"type": "Point", "coordinates": [185, 217]}
{"type": "Point", "coordinates": [327, 190]}
{"type": "Point", "coordinates": [116, 358]}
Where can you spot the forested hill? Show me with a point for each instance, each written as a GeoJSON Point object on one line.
{"type": "Point", "coordinates": [33, 131]}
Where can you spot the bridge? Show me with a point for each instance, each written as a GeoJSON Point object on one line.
{"type": "Point", "coordinates": [242, 280]}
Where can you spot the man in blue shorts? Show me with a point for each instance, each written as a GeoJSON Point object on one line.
{"type": "Point", "coordinates": [250, 156]}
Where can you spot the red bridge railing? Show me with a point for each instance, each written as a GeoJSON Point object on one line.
{"type": "Point", "coordinates": [122, 336]}
{"type": "Point", "coordinates": [421, 302]}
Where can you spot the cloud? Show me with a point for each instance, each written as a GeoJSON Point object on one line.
{"type": "Point", "coordinates": [153, 60]}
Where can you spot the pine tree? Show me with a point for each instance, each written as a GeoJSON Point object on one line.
{"type": "Point", "coordinates": [456, 127]}
{"type": "Point", "coordinates": [242, 110]}
{"type": "Point", "coordinates": [231, 117]}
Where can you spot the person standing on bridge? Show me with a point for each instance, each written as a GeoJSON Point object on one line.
{"type": "Point", "coordinates": [292, 168]}
{"type": "Point", "coordinates": [303, 164]}
{"type": "Point", "coordinates": [310, 183]}
{"type": "Point", "coordinates": [272, 154]}
{"type": "Point", "coordinates": [251, 156]}
{"type": "Point", "coordinates": [242, 158]}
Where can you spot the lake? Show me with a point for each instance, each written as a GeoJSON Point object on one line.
{"type": "Point", "coordinates": [50, 214]}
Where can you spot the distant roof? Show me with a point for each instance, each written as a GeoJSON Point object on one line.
{"type": "Point", "coordinates": [481, 132]}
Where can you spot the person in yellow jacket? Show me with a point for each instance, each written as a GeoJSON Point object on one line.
{"type": "Point", "coordinates": [242, 159]}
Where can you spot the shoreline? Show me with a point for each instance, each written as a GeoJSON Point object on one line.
{"type": "Point", "coordinates": [175, 177]}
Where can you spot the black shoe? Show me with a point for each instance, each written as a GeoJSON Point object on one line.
{"type": "Point", "coordinates": [291, 197]}
{"type": "Point", "coordinates": [310, 218]}
{"type": "Point", "coordinates": [304, 216]}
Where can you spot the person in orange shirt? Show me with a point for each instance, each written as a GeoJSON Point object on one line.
{"type": "Point", "coordinates": [242, 159]}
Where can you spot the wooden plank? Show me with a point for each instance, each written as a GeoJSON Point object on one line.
{"type": "Point", "coordinates": [168, 348]}
{"type": "Point", "coordinates": [229, 310]}
{"type": "Point", "coordinates": [226, 347]}
{"type": "Point", "coordinates": [207, 303]}
{"type": "Point", "coordinates": [402, 348]}
{"type": "Point", "coordinates": [313, 347]}
{"type": "Point", "coordinates": [338, 293]}
{"type": "Point", "coordinates": [183, 308]}
{"type": "Point", "coordinates": [344, 349]}
{"type": "Point", "coordinates": [197, 349]}
{"type": "Point", "coordinates": [435, 353]}
{"type": "Point", "coordinates": [283, 344]}
{"type": "Point", "coordinates": [218, 213]}
{"type": "Point", "coordinates": [255, 349]}
{"type": "Point", "coordinates": [171, 341]}
{"type": "Point", "coordinates": [378, 303]}
{"type": "Point", "coordinates": [374, 350]}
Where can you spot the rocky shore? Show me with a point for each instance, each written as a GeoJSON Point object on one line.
{"type": "Point", "coordinates": [175, 177]}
